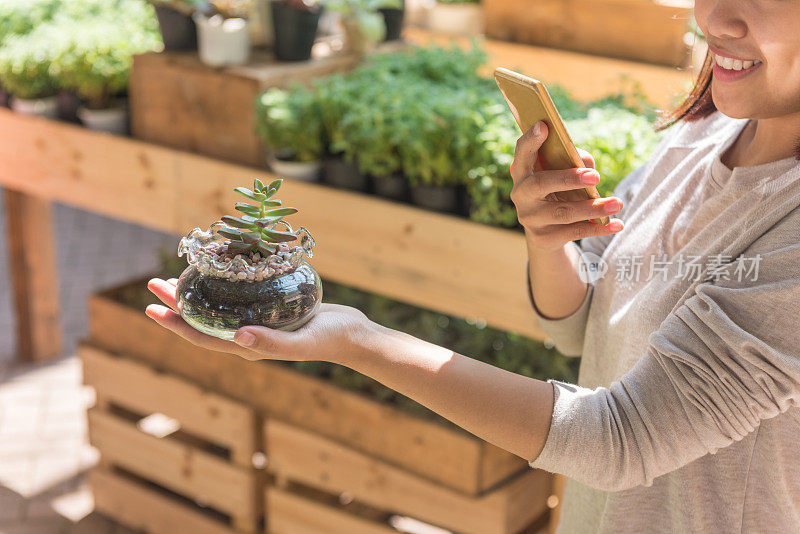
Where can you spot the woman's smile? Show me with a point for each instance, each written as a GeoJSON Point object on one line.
{"type": "Point", "coordinates": [728, 68]}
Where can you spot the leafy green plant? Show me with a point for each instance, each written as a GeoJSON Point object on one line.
{"type": "Point", "coordinates": [289, 122]}
{"type": "Point", "coordinates": [97, 62]}
{"type": "Point", "coordinates": [26, 61]}
{"type": "Point", "coordinates": [254, 231]}
{"type": "Point", "coordinates": [18, 17]}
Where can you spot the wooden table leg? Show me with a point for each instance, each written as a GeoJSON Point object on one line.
{"type": "Point", "coordinates": [554, 502]}
{"type": "Point", "coordinates": [34, 275]}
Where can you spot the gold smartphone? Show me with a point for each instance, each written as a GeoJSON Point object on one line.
{"type": "Point", "coordinates": [530, 103]}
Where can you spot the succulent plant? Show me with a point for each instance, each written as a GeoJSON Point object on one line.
{"type": "Point", "coordinates": [254, 231]}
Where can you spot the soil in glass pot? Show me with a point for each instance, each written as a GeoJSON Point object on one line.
{"type": "Point", "coordinates": [221, 292]}
{"type": "Point", "coordinates": [295, 28]}
{"type": "Point", "coordinates": [339, 172]}
{"type": "Point", "coordinates": [394, 22]}
{"type": "Point", "coordinates": [393, 186]}
{"type": "Point", "coordinates": [178, 29]}
{"type": "Point", "coordinates": [437, 197]}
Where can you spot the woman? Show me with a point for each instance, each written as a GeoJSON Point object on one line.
{"type": "Point", "coordinates": [686, 415]}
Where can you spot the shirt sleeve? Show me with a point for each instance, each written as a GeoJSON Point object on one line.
{"type": "Point", "coordinates": [713, 370]}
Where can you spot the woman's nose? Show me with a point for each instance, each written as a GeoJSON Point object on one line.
{"type": "Point", "coordinates": [725, 21]}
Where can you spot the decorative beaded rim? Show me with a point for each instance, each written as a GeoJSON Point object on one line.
{"type": "Point", "coordinates": [200, 248]}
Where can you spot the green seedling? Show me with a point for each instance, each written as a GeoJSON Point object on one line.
{"type": "Point", "coordinates": [254, 231]}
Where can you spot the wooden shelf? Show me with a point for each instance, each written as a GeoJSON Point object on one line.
{"type": "Point", "coordinates": [427, 259]}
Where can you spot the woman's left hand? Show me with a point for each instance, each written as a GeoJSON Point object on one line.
{"type": "Point", "coordinates": [336, 333]}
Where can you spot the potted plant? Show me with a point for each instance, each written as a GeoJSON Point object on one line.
{"type": "Point", "coordinates": [295, 24]}
{"type": "Point", "coordinates": [459, 17]}
{"type": "Point", "coordinates": [96, 65]}
{"type": "Point", "coordinates": [289, 123]}
{"type": "Point", "coordinates": [246, 271]}
{"type": "Point", "coordinates": [178, 30]}
{"type": "Point", "coordinates": [25, 68]}
{"type": "Point", "coordinates": [393, 20]}
{"type": "Point", "coordinates": [439, 144]}
{"type": "Point", "coordinates": [223, 37]}
{"type": "Point", "coordinates": [336, 95]}
{"type": "Point", "coordinates": [364, 26]}
{"type": "Point", "coordinates": [370, 127]}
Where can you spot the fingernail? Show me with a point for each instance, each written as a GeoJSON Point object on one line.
{"type": "Point", "coordinates": [612, 206]}
{"type": "Point", "coordinates": [590, 177]}
{"type": "Point", "coordinates": [537, 128]}
{"type": "Point", "coordinates": [615, 226]}
{"type": "Point", "coordinates": [245, 339]}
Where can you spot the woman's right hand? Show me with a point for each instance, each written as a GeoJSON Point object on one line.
{"type": "Point", "coordinates": [551, 223]}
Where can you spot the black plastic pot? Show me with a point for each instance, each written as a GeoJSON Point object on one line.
{"type": "Point", "coordinates": [394, 22]}
{"type": "Point", "coordinates": [438, 198]}
{"type": "Point", "coordinates": [177, 29]}
{"type": "Point", "coordinates": [394, 186]}
{"type": "Point", "coordinates": [68, 104]}
{"type": "Point", "coordinates": [344, 174]}
{"type": "Point", "coordinates": [295, 31]}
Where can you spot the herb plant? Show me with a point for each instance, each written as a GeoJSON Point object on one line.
{"type": "Point", "coordinates": [254, 231]}
{"type": "Point", "coordinates": [289, 122]}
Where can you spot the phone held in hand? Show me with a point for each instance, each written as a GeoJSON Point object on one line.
{"type": "Point", "coordinates": [530, 103]}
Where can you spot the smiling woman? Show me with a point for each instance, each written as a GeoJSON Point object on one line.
{"type": "Point", "coordinates": [687, 410]}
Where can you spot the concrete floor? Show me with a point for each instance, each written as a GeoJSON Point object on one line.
{"type": "Point", "coordinates": [44, 451]}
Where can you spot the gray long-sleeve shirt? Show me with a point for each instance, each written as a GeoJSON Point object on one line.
{"type": "Point", "coordinates": [686, 414]}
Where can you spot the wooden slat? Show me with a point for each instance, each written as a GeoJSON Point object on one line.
{"type": "Point", "coordinates": [423, 447]}
{"type": "Point", "coordinates": [571, 69]}
{"type": "Point", "coordinates": [34, 275]}
{"type": "Point", "coordinates": [632, 29]}
{"type": "Point", "coordinates": [176, 466]}
{"type": "Point", "coordinates": [144, 509]}
{"type": "Point", "coordinates": [558, 498]}
{"type": "Point", "coordinates": [409, 254]}
{"type": "Point", "coordinates": [139, 388]}
{"type": "Point", "coordinates": [307, 458]}
{"type": "Point", "coordinates": [288, 513]}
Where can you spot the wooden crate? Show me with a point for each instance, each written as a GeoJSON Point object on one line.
{"type": "Point", "coordinates": [178, 101]}
{"type": "Point", "coordinates": [198, 477]}
{"type": "Point", "coordinates": [630, 29]}
{"type": "Point", "coordinates": [450, 457]}
{"type": "Point", "coordinates": [299, 460]}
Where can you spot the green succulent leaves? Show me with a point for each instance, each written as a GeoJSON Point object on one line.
{"type": "Point", "coordinates": [254, 230]}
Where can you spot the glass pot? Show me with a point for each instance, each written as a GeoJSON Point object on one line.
{"type": "Point", "coordinates": [217, 296]}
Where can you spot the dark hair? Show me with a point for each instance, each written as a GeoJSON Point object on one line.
{"type": "Point", "coordinates": [699, 104]}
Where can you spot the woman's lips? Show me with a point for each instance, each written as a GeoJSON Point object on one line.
{"type": "Point", "coordinates": [729, 75]}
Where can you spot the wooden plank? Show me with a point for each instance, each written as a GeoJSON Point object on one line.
{"type": "Point", "coordinates": [432, 260]}
{"type": "Point", "coordinates": [497, 465]}
{"type": "Point", "coordinates": [423, 447]}
{"type": "Point", "coordinates": [139, 388]}
{"type": "Point", "coordinates": [34, 275]}
{"type": "Point", "coordinates": [178, 101]}
{"type": "Point", "coordinates": [144, 509]}
{"type": "Point", "coordinates": [313, 460]}
{"type": "Point", "coordinates": [555, 502]}
{"type": "Point", "coordinates": [662, 85]}
{"type": "Point", "coordinates": [288, 513]}
{"type": "Point", "coordinates": [176, 466]}
{"type": "Point", "coordinates": [95, 171]}
{"type": "Point", "coordinates": [629, 29]}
